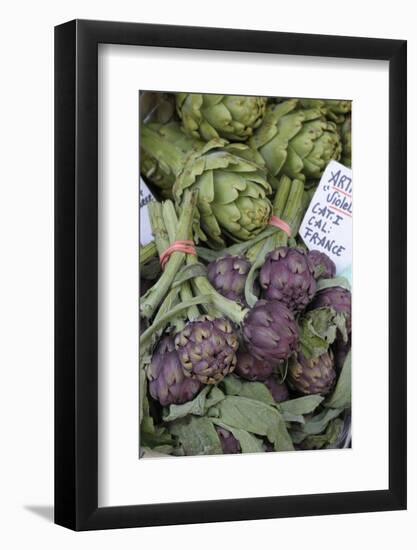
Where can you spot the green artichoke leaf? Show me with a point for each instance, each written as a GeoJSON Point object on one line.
{"type": "Point", "coordinates": [301, 405]}
{"type": "Point", "coordinates": [288, 417]}
{"type": "Point", "coordinates": [248, 442]}
{"type": "Point", "coordinates": [253, 390]}
{"type": "Point", "coordinates": [208, 397]}
{"type": "Point", "coordinates": [342, 394]}
{"type": "Point", "coordinates": [336, 281]}
{"type": "Point", "coordinates": [318, 330]}
{"type": "Point", "coordinates": [155, 437]}
{"type": "Point", "coordinates": [255, 417]}
{"type": "Point", "coordinates": [318, 423]}
{"type": "Point", "coordinates": [325, 440]}
{"type": "Point", "coordinates": [195, 436]}
{"type": "Point", "coordinates": [314, 425]}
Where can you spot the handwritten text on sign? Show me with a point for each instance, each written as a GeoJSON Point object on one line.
{"type": "Point", "coordinates": [327, 224]}
{"type": "Point", "coordinates": [145, 197]}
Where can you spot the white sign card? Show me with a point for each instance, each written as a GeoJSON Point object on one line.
{"type": "Point", "coordinates": [145, 197]}
{"type": "Point", "coordinates": [327, 224]}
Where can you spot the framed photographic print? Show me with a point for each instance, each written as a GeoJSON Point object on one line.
{"type": "Point", "coordinates": [230, 275]}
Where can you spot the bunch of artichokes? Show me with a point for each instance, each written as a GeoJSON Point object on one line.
{"type": "Point", "coordinates": [245, 341]}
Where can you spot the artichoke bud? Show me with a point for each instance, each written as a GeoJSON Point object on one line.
{"type": "Point", "coordinates": [270, 331]}
{"type": "Point", "coordinates": [209, 116]}
{"type": "Point", "coordinates": [216, 343]}
{"type": "Point", "coordinates": [288, 276]}
{"type": "Point", "coordinates": [337, 298]}
{"type": "Point", "coordinates": [252, 369]}
{"type": "Point", "coordinates": [228, 276]}
{"type": "Point", "coordinates": [167, 382]}
{"type": "Point", "coordinates": [312, 376]}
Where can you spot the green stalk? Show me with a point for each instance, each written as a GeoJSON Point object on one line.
{"type": "Point", "coordinates": [171, 222]}
{"type": "Point", "coordinates": [151, 300]}
{"type": "Point", "coordinates": [290, 213]}
{"type": "Point", "coordinates": [280, 200]}
{"type": "Point", "coordinates": [159, 231]}
{"type": "Point", "coordinates": [147, 252]}
{"type": "Point", "coordinates": [163, 320]}
{"type": "Point", "coordinates": [221, 305]}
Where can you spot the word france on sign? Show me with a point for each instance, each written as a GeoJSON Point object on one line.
{"type": "Point", "coordinates": [327, 224]}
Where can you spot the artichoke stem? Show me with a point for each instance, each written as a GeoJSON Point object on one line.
{"type": "Point", "coordinates": [151, 300]}
{"type": "Point", "coordinates": [147, 252]}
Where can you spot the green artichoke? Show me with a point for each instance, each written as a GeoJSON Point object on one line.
{"type": "Point", "coordinates": [233, 189]}
{"type": "Point", "coordinates": [209, 116]}
{"type": "Point", "coordinates": [295, 141]}
{"type": "Point", "coordinates": [162, 149]}
{"type": "Point", "coordinates": [334, 109]}
{"type": "Point", "coordinates": [346, 134]}
{"type": "Point", "coordinates": [207, 349]}
{"type": "Point", "coordinates": [231, 181]}
{"type": "Point", "coordinates": [312, 376]}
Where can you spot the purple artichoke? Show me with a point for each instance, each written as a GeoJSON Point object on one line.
{"type": "Point", "coordinates": [270, 331]}
{"type": "Point", "coordinates": [228, 441]}
{"type": "Point", "coordinates": [278, 390]}
{"type": "Point", "coordinates": [337, 298]}
{"type": "Point", "coordinates": [207, 349]}
{"type": "Point", "coordinates": [311, 376]}
{"type": "Point", "coordinates": [167, 382]}
{"type": "Point", "coordinates": [252, 369]}
{"type": "Point", "coordinates": [323, 266]}
{"type": "Point", "coordinates": [288, 276]}
{"type": "Point", "coordinates": [228, 276]}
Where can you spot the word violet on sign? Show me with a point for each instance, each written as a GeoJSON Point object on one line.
{"type": "Point", "coordinates": [145, 197]}
{"type": "Point", "coordinates": [327, 224]}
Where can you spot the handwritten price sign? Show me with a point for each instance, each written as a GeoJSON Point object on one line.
{"type": "Point", "coordinates": [327, 224]}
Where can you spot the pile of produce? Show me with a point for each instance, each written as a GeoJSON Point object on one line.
{"type": "Point", "coordinates": [245, 334]}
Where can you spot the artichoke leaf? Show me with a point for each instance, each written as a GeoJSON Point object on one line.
{"type": "Point", "coordinates": [255, 417]}
{"type": "Point", "coordinates": [253, 390]}
{"type": "Point", "coordinates": [195, 436]}
{"type": "Point", "coordinates": [318, 423]}
{"type": "Point", "coordinates": [328, 439]}
{"type": "Point", "coordinates": [341, 396]}
{"type": "Point", "coordinates": [208, 397]}
{"type": "Point", "coordinates": [336, 281]}
{"type": "Point", "coordinates": [248, 442]}
{"type": "Point", "coordinates": [301, 405]}
{"type": "Point", "coordinates": [318, 330]}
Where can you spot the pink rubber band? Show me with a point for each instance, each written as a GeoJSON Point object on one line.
{"type": "Point", "coordinates": [280, 224]}
{"type": "Point", "coordinates": [187, 247]}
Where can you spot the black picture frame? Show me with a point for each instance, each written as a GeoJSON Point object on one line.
{"type": "Point", "coordinates": [76, 270]}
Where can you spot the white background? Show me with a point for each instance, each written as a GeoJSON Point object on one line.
{"type": "Point", "coordinates": [122, 478]}
{"type": "Point", "coordinates": [26, 300]}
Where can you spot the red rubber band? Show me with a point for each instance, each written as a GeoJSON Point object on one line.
{"type": "Point", "coordinates": [187, 247]}
{"type": "Point", "coordinates": [280, 224]}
